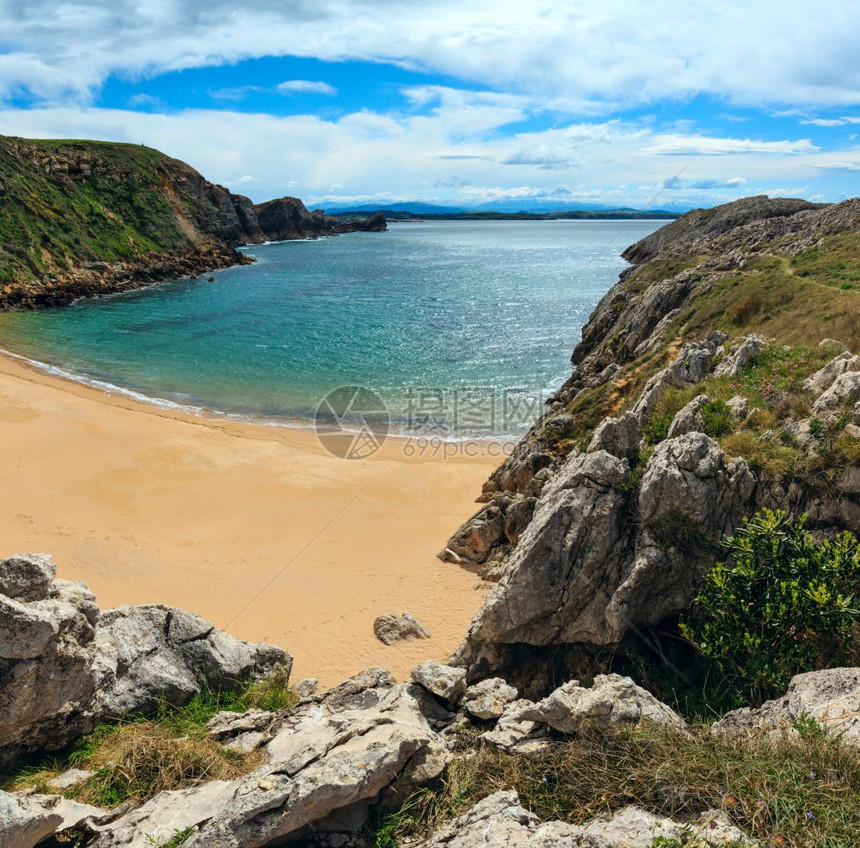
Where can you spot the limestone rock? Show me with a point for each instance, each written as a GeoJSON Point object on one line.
{"type": "Point", "coordinates": [26, 820]}
{"type": "Point", "coordinates": [739, 406]}
{"type": "Point", "coordinates": [848, 482]}
{"type": "Point", "coordinates": [307, 686]}
{"type": "Point", "coordinates": [583, 574]}
{"type": "Point", "coordinates": [846, 387]}
{"type": "Point", "coordinates": [329, 756]}
{"type": "Point", "coordinates": [392, 628]}
{"type": "Point", "coordinates": [443, 681]}
{"type": "Point", "coordinates": [689, 418]}
{"type": "Point", "coordinates": [27, 577]}
{"type": "Point", "coordinates": [147, 654]}
{"type": "Point", "coordinates": [47, 679]}
{"type": "Point", "coordinates": [632, 827]}
{"type": "Point", "coordinates": [618, 436]}
{"type": "Point", "coordinates": [540, 600]}
{"type": "Point", "coordinates": [690, 366]}
{"type": "Point", "coordinates": [488, 699]}
{"type": "Point", "coordinates": [242, 732]}
{"type": "Point", "coordinates": [747, 350]}
{"type": "Point", "coordinates": [611, 701]}
{"type": "Point", "coordinates": [824, 378]}
{"type": "Point", "coordinates": [499, 820]}
{"type": "Point", "coordinates": [496, 822]}
{"type": "Point", "coordinates": [489, 534]}
{"type": "Point", "coordinates": [69, 778]}
{"type": "Point", "coordinates": [512, 728]}
{"type": "Point", "coordinates": [831, 697]}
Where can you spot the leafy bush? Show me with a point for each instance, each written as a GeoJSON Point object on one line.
{"type": "Point", "coordinates": [784, 603]}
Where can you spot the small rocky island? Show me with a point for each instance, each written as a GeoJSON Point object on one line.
{"type": "Point", "coordinates": [716, 393]}
{"type": "Point", "coordinates": [82, 218]}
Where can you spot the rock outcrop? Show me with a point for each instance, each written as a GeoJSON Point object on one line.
{"type": "Point", "coordinates": [583, 572]}
{"type": "Point", "coordinates": [500, 821]}
{"type": "Point", "coordinates": [829, 698]}
{"type": "Point", "coordinates": [65, 665]}
{"type": "Point", "coordinates": [328, 759]}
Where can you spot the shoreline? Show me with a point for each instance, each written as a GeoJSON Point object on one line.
{"type": "Point", "coordinates": [155, 505]}
{"type": "Point", "coordinates": [215, 416]}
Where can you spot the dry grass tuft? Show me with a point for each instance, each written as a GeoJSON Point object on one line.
{"type": "Point", "coordinates": [137, 760]}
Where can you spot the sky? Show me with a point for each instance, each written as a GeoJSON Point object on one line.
{"type": "Point", "coordinates": [546, 104]}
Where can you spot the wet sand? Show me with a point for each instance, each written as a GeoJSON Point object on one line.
{"type": "Point", "coordinates": [256, 528]}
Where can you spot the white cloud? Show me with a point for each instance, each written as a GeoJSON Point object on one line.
{"type": "Point", "coordinates": [394, 157]}
{"type": "Point", "coordinates": [298, 86]}
{"type": "Point", "coordinates": [696, 145]}
{"type": "Point", "coordinates": [831, 122]}
{"type": "Point", "coordinates": [592, 52]}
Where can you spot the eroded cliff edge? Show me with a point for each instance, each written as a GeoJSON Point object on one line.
{"type": "Point", "coordinates": [717, 377]}
{"type": "Point", "coordinates": [79, 218]}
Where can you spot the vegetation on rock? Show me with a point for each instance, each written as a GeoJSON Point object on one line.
{"type": "Point", "coordinates": [140, 756]}
{"type": "Point", "coordinates": [796, 792]}
{"type": "Point", "coordinates": [782, 604]}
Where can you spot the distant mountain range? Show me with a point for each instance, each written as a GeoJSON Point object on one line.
{"type": "Point", "coordinates": [410, 209]}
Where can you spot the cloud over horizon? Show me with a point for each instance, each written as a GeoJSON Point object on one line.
{"type": "Point", "coordinates": [452, 102]}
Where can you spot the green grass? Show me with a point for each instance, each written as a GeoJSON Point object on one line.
{"type": "Point", "coordinates": [790, 793]}
{"type": "Point", "coordinates": [50, 223]}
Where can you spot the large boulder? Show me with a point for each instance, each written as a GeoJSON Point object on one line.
{"type": "Point", "coordinates": [147, 654]}
{"type": "Point", "coordinates": [331, 755]}
{"type": "Point", "coordinates": [65, 666]}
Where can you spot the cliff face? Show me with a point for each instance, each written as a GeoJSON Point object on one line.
{"type": "Point", "coordinates": [80, 218]}
{"type": "Point", "coordinates": [707, 384]}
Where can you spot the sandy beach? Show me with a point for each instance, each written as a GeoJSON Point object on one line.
{"type": "Point", "coordinates": [256, 528]}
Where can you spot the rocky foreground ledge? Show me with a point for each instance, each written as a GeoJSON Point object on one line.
{"type": "Point", "coordinates": [326, 762]}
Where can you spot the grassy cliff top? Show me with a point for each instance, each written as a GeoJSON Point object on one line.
{"type": "Point", "coordinates": [792, 277]}
{"type": "Point", "coordinates": [66, 203]}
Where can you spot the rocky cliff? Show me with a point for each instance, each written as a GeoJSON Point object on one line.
{"type": "Point", "coordinates": [81, 217]}
{"type": "Point", "coordinates": [707, 384]}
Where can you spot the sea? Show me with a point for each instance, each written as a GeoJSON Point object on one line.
{"type": "Point", "coordinates": [455, 329]}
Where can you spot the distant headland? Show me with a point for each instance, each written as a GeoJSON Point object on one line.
{"type": "Point", "coordinates": [81, 218]}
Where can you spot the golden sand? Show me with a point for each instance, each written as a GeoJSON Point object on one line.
{"type": "Point", "coordinates": [256, 528]}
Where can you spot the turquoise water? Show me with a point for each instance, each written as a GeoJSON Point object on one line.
{"type": "Point", "coordinates": [452, 324]}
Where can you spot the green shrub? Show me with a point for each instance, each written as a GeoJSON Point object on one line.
{"type": "Point", "coordinates": [784, 603]}
{"type": "Point", "coordinates": [717, 418]}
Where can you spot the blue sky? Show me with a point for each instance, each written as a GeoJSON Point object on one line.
{"type": "Point", "coordinates": [339, 102]}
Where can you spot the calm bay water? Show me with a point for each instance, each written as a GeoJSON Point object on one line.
{"type": "Point", "coordinates": [445, 321]}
